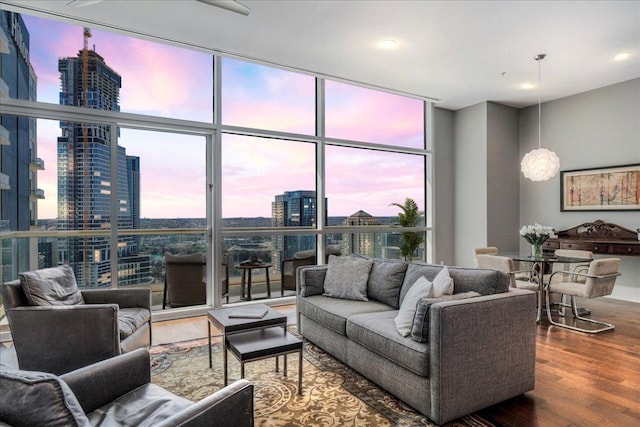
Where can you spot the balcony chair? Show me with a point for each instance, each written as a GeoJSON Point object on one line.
{"type": "Point", "coordinates": [115, 392]}
{"type": "Point", "coordinates": [56, 327]}
{"type": "Point", "coordinates": [599, 281]}
{"type": "Point", "coordinates": [185, 280]}
{"type": "Point", "coordinates": [288, 267]}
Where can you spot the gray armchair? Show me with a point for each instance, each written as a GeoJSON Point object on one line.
{"type": "Point", "coordinates": [97, 325]}
{"type": "Point", "coordinates": [115, 392]}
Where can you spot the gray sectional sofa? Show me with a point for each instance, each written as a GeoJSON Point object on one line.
{"type": "Point", "coordinates": [467, 353]}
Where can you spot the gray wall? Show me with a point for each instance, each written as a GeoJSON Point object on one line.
{"type": "Point", "coordinates": [470, 186]}
{"type": "Point", "coordinates": [444, 185]}
{"type": "Point", "coordinates": [482, 199]}
{"type": "Point", "coordinates": [486, 179]}
{"type": "Point", "coordinates": [503, 170]}
{"type": "Point", "coordinates": [592, 129]}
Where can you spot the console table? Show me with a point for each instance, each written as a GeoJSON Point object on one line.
{"type": "Point", "coordinates": [598, 237]}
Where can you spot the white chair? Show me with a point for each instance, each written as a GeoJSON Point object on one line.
{"type": "Point", "coordinates": [582, 267]}
{"type": "Point", "coordinates": [599, 281]}
{"type": "Point", "coordinates": [490, 250]}
{"type": "Point", "coordinates": [507, 265]}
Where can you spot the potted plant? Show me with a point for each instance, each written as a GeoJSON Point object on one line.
{"type": "Point", "coordinates": [409, 217]}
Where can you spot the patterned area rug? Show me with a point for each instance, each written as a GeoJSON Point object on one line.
{"type": "Point", "coordinates": [332, 393]}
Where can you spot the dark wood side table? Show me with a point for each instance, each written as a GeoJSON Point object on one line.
{"type": "Point", "coordinates": [246, 276]}
{"type": "Point", "coordinates": [264, 343]}
{"type": "Point", "coordinates": [233, 325]}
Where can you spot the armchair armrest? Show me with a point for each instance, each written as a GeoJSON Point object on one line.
{"type": "Point", "coordinates": [125, 298]}
{"type": "Point", "coordinates": [89, 332]}
{"type": "Point", "coordinates": [105, 381]}
{"type": "Point", "coordinates": [482, 351]}
{"type": "Point", "coordinates": [230, 406]}
{"type": "Point", "coordinates": [575, 274]}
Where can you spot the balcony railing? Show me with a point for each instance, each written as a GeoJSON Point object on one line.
{"type": "Point", "coordinates": [37, 164]}
{"type": "Point", "coordinates": [37, 193]}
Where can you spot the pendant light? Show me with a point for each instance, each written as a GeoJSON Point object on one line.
{"type": "Point", "coordinates": [540, 164]}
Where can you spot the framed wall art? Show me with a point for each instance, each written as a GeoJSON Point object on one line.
{"type": "Point", "coordinates": [615, 188]}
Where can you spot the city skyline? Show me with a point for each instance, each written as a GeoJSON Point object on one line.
{"type": "Point", "coordinates": [275, 99]}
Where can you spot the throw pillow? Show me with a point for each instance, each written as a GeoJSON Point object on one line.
{"type": "Point", "coordinates": [442, 283]}
{"type": "Point", "coordinates": [404, 320]}
{"type": "Point", "coordinates": [420, 325]}
{"type": "Point", "coordinates": [385, 281]}
{"type": "Point", "coordinates": [36, 399]}
{"type": "Point", "coordinates": [51, 286]}
{"type": "Point", "coordinates": [347, 278]}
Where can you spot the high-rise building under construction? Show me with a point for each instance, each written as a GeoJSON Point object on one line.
{"type": "Point", "coordinates": [85, 180]}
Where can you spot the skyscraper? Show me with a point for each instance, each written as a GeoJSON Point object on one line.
{"type": "Point", "coordinates": [19, 163]}
{"type": "Point", "coordinates": [85, 182]}
{"type": "Point", "coordinates": [363, 243]}
{"type": "Point", "coordinates": [293, 209]}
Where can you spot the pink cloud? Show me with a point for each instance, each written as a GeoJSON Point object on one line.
{"type": "Point", "coordinates": [171, 82]}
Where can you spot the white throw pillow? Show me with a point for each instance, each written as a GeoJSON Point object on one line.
{"type": "Point", "coordinates": [442, 284]}
{"type": "Point", "coordinates": [422, 288]}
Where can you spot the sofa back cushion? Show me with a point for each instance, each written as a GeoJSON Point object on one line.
{"type": "Point", "coordinates": [51, 286]}
{"type": "Point", "coordinates": [482, 281]}
{"type": "Point", "coordinates": [347, 277]}
{"type": "Point", "coordinates": [30, 398]}
{"type": "Point", "coordinates": [385, 281]}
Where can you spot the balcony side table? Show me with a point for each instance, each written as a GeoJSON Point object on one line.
{"type": "Point", "coordinates": [246, 276]}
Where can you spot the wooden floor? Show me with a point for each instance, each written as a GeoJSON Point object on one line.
{"type": "Point", "coordinates": [581, 380]}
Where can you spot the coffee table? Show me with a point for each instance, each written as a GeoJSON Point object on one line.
{"type": "Point", "coordinates": [235, 325]}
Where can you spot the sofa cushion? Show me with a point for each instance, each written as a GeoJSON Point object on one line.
{"type": "Point", "coordinates": [385, 281]}
{"type": "Point", "coordinates": [312, 280]}
{"type": "Point", "coordinates": [131, 319]}
{"type": "Point", "coordinates": [420, 326]}
{"type": "Point", "coordinates": [51, 286]}
{"type": "Point", "coordinates": [30, 398]}
{"type": "Point", "coordinates": [347, 277]}
{"type": "Point", "coordinates": [377, 332]}
{"type": "Point", "coordinates": [442, 284]}
{"type": "Point", "coordinates": [147, 405]}
{"type": "Point", "coordinates": [333, 313]}
{"type": "Point", "coordinates": [421, 289]}
{"type": "Point", "coordinates": [483, 281]}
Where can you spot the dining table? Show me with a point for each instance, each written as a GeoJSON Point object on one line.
{"type": "Point", "coordinates": [544, 264]}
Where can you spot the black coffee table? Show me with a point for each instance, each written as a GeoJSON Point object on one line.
{"type": "Point", "coordinates": [234, 325]}
{"type": "Point", "coordinates": [261, 344]}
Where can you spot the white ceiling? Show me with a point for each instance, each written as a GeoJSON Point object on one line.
{"type": "Point", "coordinates": [458, 52]}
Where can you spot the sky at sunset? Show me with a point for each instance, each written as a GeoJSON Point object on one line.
{"type": "Point", "coordinates": [166, 81]}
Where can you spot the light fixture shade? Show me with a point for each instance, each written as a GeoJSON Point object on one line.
{"type": "Point", "coordinates": [540, 164]}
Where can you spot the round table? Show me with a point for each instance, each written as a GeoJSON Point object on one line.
{"type": "Point", "coordinates": [247, 268]}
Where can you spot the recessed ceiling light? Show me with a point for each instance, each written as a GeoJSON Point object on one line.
{"type": "Point", "coordinates": [622, 56]}
{"type": "Point", "coordinates": [527, 86]}
{"type": "Point", "coordinates": [387, 44]}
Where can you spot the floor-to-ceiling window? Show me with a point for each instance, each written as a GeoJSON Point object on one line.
{"type": "Point", "coordinates": [129, 154]}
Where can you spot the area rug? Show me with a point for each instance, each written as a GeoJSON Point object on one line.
{"type": "Point", "coordinates": [332, 393]}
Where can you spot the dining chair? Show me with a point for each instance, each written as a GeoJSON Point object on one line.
{"type": "Point", "coordinates": [582, 267]}
{"type": "Point", "coordinates": [599, 281]}
{"type": "Point", "coordinates": [490, 250]}
{"type": "Point", "coordinates": [506, 265]}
